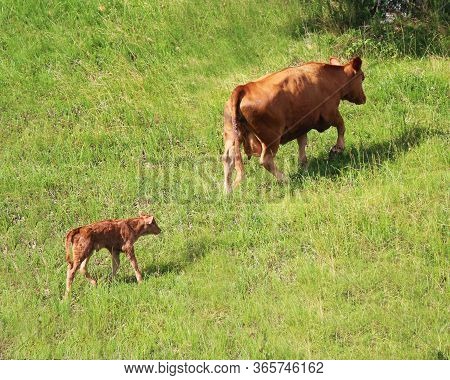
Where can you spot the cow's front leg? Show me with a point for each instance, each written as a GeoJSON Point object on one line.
{"type": "Point", "coordinates": [338, 122]}
{"type": "Point", "coordinates": [267, 160]}
{"type": "Point", "coordinates": [129, 251]}
{"type": "Point", "coordinates": [302, 144]}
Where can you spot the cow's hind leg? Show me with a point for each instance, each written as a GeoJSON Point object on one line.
{"type": "Point", "coordinates": [267, 160]}
{"type": "Point", "coordinates": [228, 164]}
{"type": "Point", "coordinates": [239, 165]}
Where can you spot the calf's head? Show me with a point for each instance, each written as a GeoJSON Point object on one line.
{"type": "Point", "coordinates": [353, 90]}
{"type": "Point", "coordinates": [148, 225]}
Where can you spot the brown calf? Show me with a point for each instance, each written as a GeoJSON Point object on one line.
{"type": "Point", "coordinates": [116, 235]}
{"type": "Point", "coordinates": [285, 106]}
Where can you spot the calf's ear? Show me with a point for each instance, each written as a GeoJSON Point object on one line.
{"type": "Point", "coordinates": [334, 61]}
{"type": "Point", "coordinates": [356, 63]}
{"type": "Point", "coordinates": [150, 220]}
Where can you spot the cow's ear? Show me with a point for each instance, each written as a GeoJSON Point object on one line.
{"type": "Point", "coordinates": [356, 63]}
{"type": "Point", "coordinates": [334, 61]}
{"type": "Point", "coordinates": [149, 220]}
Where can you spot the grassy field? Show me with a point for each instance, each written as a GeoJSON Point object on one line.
{"type": "Point", "coordinates": [115, 107]}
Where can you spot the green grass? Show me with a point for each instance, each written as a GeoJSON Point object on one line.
{"type": "Point", "coordinates": [349, 260]}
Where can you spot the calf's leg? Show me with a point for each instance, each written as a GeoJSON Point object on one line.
{"type": "Point", "coordinates": [129, 251]}
{"type": "Point", "coordinates": [71, 271]}
{"type": "Point", "coordinates": [115, 261]}
{"type": "Point", "coordinates": [84, 271]}
{"type": "Point", "coordinates": [81, 252]}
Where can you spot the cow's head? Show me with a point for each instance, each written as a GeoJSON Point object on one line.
{"type": "Point", "coordinates": [354, 91]}
{"type": "Point", "coordinates": [149, 225]}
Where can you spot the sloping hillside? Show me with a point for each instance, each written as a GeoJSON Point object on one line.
{"type": "Point", "coordinates": [112, 108]}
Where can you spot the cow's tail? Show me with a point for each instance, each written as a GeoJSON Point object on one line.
{"type": "Point", "coordinates": [238, 128]}
{"type": "Point", "coordinates": [69, 240]}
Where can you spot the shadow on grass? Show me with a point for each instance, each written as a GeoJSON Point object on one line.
{"type": "Point", "coordinates": [156, 270]}
{"type": "Point", "coordinates": [362, 158]}
{"type": "Point", "coordinates": [193, 250]}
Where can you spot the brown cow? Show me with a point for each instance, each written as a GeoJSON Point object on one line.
{"type": "Point", "coordinates": [116, 235]}
{"type": "Point", "coordinates": [284, 106]}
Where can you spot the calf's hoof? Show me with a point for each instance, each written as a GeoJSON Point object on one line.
{"type": "Point", "coordinates": [237, 182]}
{"type": "Point", "coordinates": [282, 179]}
{"type": "Point", "coordinates": [227, 189]}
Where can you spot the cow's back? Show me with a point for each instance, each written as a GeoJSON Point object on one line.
{"type": "Point", "coordinates": [290, 100]}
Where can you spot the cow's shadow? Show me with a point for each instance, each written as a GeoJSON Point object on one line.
{"type": "Point", "coordinates": [361, 157]}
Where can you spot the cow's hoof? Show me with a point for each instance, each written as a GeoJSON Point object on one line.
{"type": "Point", "coordinates": [303, 166]}
{"type": "Point", "coordinates": [335, 151]}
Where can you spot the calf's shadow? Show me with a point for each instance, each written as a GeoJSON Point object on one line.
{"type": "Point", "coordinates": [193, 249]}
